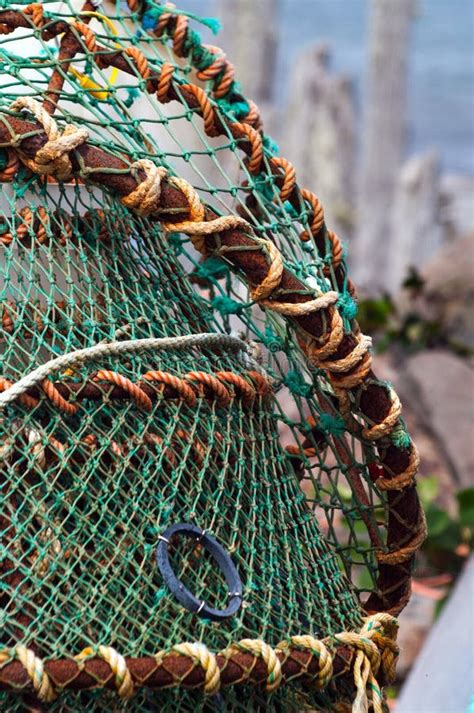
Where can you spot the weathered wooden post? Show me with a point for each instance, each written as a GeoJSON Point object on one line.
{"type": "Point", "coordinates": [384, 135]}
{"type": "Point", "coordinates": [319, 134]}
{"type": "Point", "coordinates": [250, 37]}
{"type": "Point", "coordinates": [416, 229]}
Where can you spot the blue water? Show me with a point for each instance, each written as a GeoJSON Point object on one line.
{"type": "Point", "coordinates": [441, 88]}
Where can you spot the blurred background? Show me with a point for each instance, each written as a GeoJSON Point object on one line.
{"type": "Point", "coordinates": [373, 103]}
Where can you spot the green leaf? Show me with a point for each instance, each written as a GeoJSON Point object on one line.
{"type": "Point", "coordinates": [428, 489]}
{"type": "Point", "coordinates": [466, 507]}
{"type": "Point", "coordinates": [437, 520]}
{"type": "Point", "coordinates": [447, 540]}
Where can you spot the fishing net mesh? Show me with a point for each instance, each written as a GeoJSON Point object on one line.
{"type": "Point", "coordinates": [263, 446]}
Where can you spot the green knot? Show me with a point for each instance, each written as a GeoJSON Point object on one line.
{"type": "Point", "coordinates": [160, 594]}
{"type": "Point", "coordinates": [400, 438]}
{"type": "Point", "coordinates": [154, 12]}
{"type": "Point", "coordinates": [132, 94]}
{"type": "Point", "coordinates": [212, 269]}
{"type": "Point", "coordinates": [347, 306]}
{"type": "Point", "coordinates": [193, 45]}
{"type": "Point", "coordinates": [226, 305]}
{"type": "Point", "coordinates": [273, 342]}
{"type": "Point", "coordinates": [297, 385]}
{"type": "Point", "coordinates": [237, 109]}
{"type": "Point", "coordinates": [265, 186]}
{"type": "Point", "coordinates": [334, 425]}
{"type": "Point", "coordinates": [176, 242]}
{"type": "Point", "coordinates": [270, 145]}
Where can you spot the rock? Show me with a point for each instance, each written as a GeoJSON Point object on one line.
{"type": "Point", "coordinates": [448, 293]}
{"type": "Point", "coordinates": [458, 209]}
{"type": "Point", "coordinates": [416, 229]}
{"type": "Point", "coordinates": [250, 39]}
{"type": "Point", "coordinates": [439, 387]}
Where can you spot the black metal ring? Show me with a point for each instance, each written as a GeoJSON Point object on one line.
{"type": "Point", "coordinates": [182, 594]}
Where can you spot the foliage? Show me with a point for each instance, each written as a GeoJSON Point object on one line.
{"type": "Point", "coordinates": [389, 326]}
{"type": "Point", "coordinates": [449, 535]}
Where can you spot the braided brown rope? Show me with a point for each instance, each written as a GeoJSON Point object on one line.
{"type": "Point", "coordinates": [321, 336]}
{"type": "Point", "coordinates": [358, 656]}
{"type": "Point", "coordinates": [222, 387]}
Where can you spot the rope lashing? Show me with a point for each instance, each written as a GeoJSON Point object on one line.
{"type": "Point", "coordinates": [117, 663]}
{"type": "Point", "coordinates": [318, 353]}
{"type": "Point", "coordinates": [243, 129]}
{"type": "Point", "coordinates": [53, 158]}
{"type": "Point", "coordinates": [197, 227]}
{"type": "Point", "coordinates": [381, 430]}
{"type": "Point", "coordinates": [402, 480]}
{"type": "Point", "coordinates": [144, 201]}
{"type": "Point", "coordinates": [189, 387]}
{"type": "Point", "coordinates": [179, 385]}
{"type": "Point", "coordinates": [374, 646]}
{"type": "Point", "coordinates": [81, 356]}
{"type": "Point", "coordinates": [316, 648]}
{"type": "Point", "coordinates": [262, 650]}
{"type": "Point", "coordinates": [204, 658]}
{"type": "Point", "coordinates": [142, 400]}
{"type": "Point", "coordinates": [34, 666]}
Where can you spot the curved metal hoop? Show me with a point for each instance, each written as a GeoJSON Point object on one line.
{"type": "Point", "coordinates": [182, 594]}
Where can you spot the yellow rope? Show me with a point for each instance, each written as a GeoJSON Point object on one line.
{"type": "Point", "coordinates": [144, 199]}
{"type": "Point", "coordinates": [259, 648]}
{"type": "Point", "coordinates": [34, 667]}
{"type": "Point", "coordinates": [380, 430]}
{"type": "Point", "coordinates": [208, 662]}
{"type": "Point", "coordinates": [375, 647]}
{"type": "Point", "coordinates": [318, 649]}
{"type": "Point", "coordinates": [117, 663]}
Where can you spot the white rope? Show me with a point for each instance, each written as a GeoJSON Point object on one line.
{"type": "Point", "coordinates": [106, 349]}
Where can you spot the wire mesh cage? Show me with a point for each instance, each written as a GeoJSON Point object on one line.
{"type": "Point", "coordinates": [207, 494]}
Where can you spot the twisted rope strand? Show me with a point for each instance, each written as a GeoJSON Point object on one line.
{"type": "Point", "coordinates": [82, 356]}
{"type": "Point", "coordinates": [53, 158]}
{"type": "Point", "coordinates": [374, 649]}
{"type": "Point", "coordinates": [204, 658]}
{"type": "Point", "coordinates": [188, 388]}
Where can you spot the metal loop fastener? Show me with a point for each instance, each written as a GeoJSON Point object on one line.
{"type": "Point", "coordinates": [221, 557]}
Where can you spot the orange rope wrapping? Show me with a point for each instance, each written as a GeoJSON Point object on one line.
{"type": "Point", "coordinates": [193, 385]}
{"type": "Point", "coordinates": [205, 106]}
{"type": "Point", "coordinates": [59, 401]}
{"type": "Point", "coordinates": [209, 381]}
{"type": "Point", "coordinates": [240, 131]}
{"type": "Point", "coordinates": [137, 394]}
{"type": "Point", "coordinates": [179, 385]}
{"type": "Point", "coordinates": [289, 178]}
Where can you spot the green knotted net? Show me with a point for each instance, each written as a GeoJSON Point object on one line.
{"type": "Point", "coordinates": [91, 471]}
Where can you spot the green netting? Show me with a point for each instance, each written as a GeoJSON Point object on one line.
{"type": "Point", "coordinates": [86, 493]}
